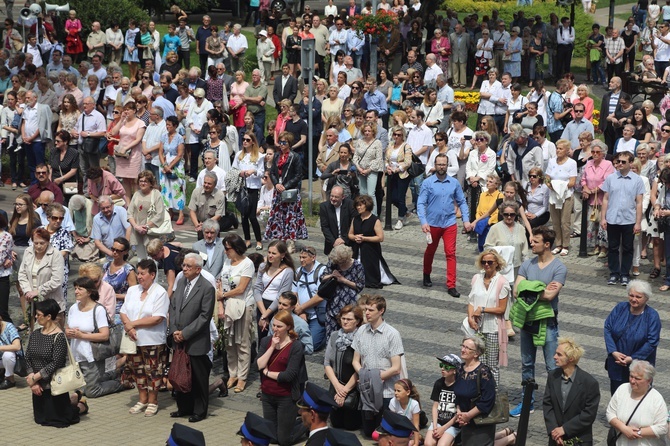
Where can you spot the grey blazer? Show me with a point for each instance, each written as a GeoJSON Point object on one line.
{"type": "Point", "coordinates": [214, 264]}
{"type": "Point", "coordinates": [44, 118]}
{"type": "Point", "coordinates": [193, 315]}
{"type": "Point", "coordinates": [459, 53]}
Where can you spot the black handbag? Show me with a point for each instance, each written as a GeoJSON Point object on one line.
{"type": "Point", "coordinates": [327, 288]}
{"type": "Point", "coordinates": [110, 347]}
{"type": "Point", "coordinates": [352, 401]}
{"type": "Point", "coordinates": [416, 168]}
{"type": "Point", "coordinates": [613, 434]}
{"type": "Point", "coordinates": [91, 145]}
{"type": "Point", "coordinates": [21, 366]}
{"type": "Point", "coordinates": [242, 201]}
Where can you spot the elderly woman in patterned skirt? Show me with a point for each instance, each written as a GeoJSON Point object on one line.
{"type": "Point", "coordinates": [144, 314]}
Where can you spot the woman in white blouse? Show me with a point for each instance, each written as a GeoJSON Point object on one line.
{"type": "Point", "coordinates": [459, 141]}
{"type": "Point", "coordinates": [537, 195]}
{"type": "Point", "coordinates": [251, 164]}
{"type": "Point", "coordinates": [432, 109]}
{"type": "Point", "coordinates": [562, 168]}
{"type": "Point", "coordinates": [646, 426]}
{"type": "Point", "coordinates": [481, 163]}
{"type": "Point", "coordinates": [330, 9]}
{"type": "Point", "coordinates": [143, 315]}
{"type": "Point", "coordinates": [274, 277]}
{"type": "Point", "coordinates": [490, 88]}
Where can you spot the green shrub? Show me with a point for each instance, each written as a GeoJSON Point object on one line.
{"type": "Point", "coordinates": [105, 12]}
{"type": "Point", "coordinates": [583, 22]}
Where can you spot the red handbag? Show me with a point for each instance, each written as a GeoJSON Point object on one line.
{"type": "Point", "coordinates": [180, 370]}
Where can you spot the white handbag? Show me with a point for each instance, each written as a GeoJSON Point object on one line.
{"type": "Point", "coordinates": [166, 227]}
{"type": "Point", "coordinates": [128, 346]}
{"type": "Point", "coordinates": [68, 378]}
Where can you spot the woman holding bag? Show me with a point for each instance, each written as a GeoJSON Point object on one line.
{"type": "Point", "coordinates": [144, 314]}
{"type": "Point", "coordinates": [87, 322]}
{"type": "Point", "coordinates": [46, 353]}
{"type": "Point", "coordinates": [146, 211]}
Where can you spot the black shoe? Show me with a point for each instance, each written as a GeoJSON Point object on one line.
{"type": "Point", "coordinates": [426, 280]}
{"type": "Point", "coordinates": [7, 384]}
{"type": "Point", "coordinates": [453, 292]}
{"type": "Point", "coordinates": [177, 414]}
{"type": "Point", "coordinates": [223, 392]}
{"type": "Point", "coordinates": [195, 418]}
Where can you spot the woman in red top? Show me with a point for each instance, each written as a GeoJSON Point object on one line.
{"type": "Point", "coordinates": [281, 362]}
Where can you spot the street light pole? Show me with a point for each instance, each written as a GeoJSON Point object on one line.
{"type": "Point", "coordinates": [307, 63]}
{"type": "Point", "coordinates": [373, 48]}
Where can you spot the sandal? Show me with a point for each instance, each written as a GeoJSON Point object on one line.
{"type": "Point", "coordinates": [239, 388]}
{"type": "Point", "coordinates": [231, 383]}
{"type": "Point", "coordinates": [83, 402]}
{"type": "Point", "coordinates": [664, 288]}
{"type": "Point", "coordinates": [556, 250]}
{"type": "Point", "coordinates": [138, 408]}
{"type": "Point", "coordinates": [564, 252]}
{"type": "Point", "coordinates": [152, 409]}
{"type": "Point", "coordinates": [655, 273]}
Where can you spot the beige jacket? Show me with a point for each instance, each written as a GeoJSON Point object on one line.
{"type": "Point", "coordinates": [50, 275]}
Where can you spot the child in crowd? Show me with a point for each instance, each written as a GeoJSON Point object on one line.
{"type": "Point", "coordinates": [406, 402]}
{"type": "Point", "coordinates": [443, 430]}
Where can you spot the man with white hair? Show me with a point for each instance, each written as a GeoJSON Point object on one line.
{"type": "Point", "coordinates": [151, 141]}
{"type": "Point", "coordinates": [162, 103]}
{"type": "Point", "coordinates": [194, 81]}
{"type": "Point", "coordinates": [432, 70]}
{"type": "Point", "coordinates": [88, 130]}
{"type": "Point", "coordinates": [353, 73]}
{"type": "Point", "coordinates": [227, 78]}
{"type": "Point", "coordinates": [237, 45]}
{"type": "Point", "coordinates": [35, 131]}
{"type": "Point", "coordinates": [111, 222]}
{"type": "Point", "coordinates": [254, 97]}
{"type": "Point", "coordinates": [124, 96]}
{"type": "Point", "coordinates": [96, 40]}
{"type": "Point", "coordinates": [45, 198]}
{"type": "Point", "coordinates": [189, 328]}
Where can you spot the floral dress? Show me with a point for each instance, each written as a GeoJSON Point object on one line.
{"type": "Point", "coordinates": [344, 295]}
{"type": "Point", "coordinates": [62, 241]}
{"type": "Point", "coordinates": [118, 281]}
{"type": "Point", "coordinates": [286, 221]}
{"type": "Point", "coordinates": [68, 122]}
{"type": "Point", "coordinates": [173, 190]}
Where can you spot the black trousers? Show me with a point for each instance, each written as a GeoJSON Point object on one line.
{"type": "Point", "coordinates": [194, 157]}
{"type": "Point", "coordinates": [185, 58]}
{"type": "Point", "coordinates": [620, 238]}
{"type": "Point", "coordinates": [563, 60]}
{"type": "Point", "coordinates": [196, 402]}
{"type": "Point", "coordinates": [203, 61]}
{"type": "Point", "coordinates": [250, 217]}
{"type": "Point", "coordinates": [4, 299]}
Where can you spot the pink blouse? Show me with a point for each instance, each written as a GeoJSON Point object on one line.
{"type": "Point", "coordinates": [594, 176]}
{"type": "Point", "coordinates": [442, 43]}
{"type": "Point", "coordinates": [588, 107]}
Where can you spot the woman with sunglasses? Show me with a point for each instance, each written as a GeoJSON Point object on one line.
{"type": "Point", "coordinates": [483, 57]}
{"type": "Point", "coordinates": [61, 239]}
{"type": "Point", "coordinates": [282, 117]}
{"type": "Point", "coordinates": [488, 300]}
{"type": "Point", "coordinates": [481, 163]}
{"type": "Point", "coordinates": [147, 85]}
{"type": "Point", "coordinates": [64, 160]}
{"type": "Point", "coordinates": [537, 195]}
{"type": "Point", "coordinates": [286, 221]}
{"type": "Point", "coordinates": [250, 164]}
{"type": "Point", "coordinates": [119, 273]}
{"type": "Point", "coordinates": [664, 137]}
{"type": "Point", "coordinates": [509, 232]}
{"type": "Point", "coordinates": [337, 66]}
{"type": "Point", "coordinates": [562, 168]}
{"type": "Point", "coordinates": [442, 147]}
{"type": "Point", "coordinates": [250, 126]}
{"type": "Point", "coordinates": [414, 89]}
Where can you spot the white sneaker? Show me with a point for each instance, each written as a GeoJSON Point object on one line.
{"type": "Point", "coordinates": [398, 226]}
{"type": "Point", "coordinates": [191, 180]}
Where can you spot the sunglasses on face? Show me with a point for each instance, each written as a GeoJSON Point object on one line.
{"type": "Point", "coordinates": [620, 162]}
{"type": "Point", "coordinates": [282, 143]}
{"type": "Point", "coordinates": [509, 214]}
{"type": "Point", "coordinates": [249, 140]}
{"type": "Point", "coordinates": [532, 176]}
{"type": "Point", "coordinates": [481, 140]}
{"type": "Point", "coordinates": [54, 218]}
{"type": "Point", "coordinates": [40, 173]}
{"type": "Point", "coordinates": [488, 262]}
{"type": "Point", "coordinates": [447, 367]}
{"type": "Point", "coordinates": [665, 130]}
{"type": "Point", "coordinates": [439, 139]}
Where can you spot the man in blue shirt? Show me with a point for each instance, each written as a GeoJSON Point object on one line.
{"type": "Point", "coordinates": [375, 99]}
{"type": "Point", "coordinates": [437, 214]}
{"type": "Point", "coordinates": [111, 222]}
{"type": "Point", "coordinates": [621, 216]}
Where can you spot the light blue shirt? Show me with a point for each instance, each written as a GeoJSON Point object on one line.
{"type": "Point", "coordinates": [376, 101]}
{"type": "Point", "coordinates": [107, 230]}
{"type": "Point", "coordinates": [354, 40]}
{"type": "Point", "coordinates": [554, 105]}
{"type": "Point", "coordinates": [574, 129]}
{"type": "Point", "coordinates": [622, 190]}
{"type": "Point", "coordinates": [436, 202]}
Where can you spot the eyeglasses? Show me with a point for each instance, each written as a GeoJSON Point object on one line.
{"type": "Point", "coordinates": [309, 251]}
{"type": "Point", "coordinates": [533, 176]}
{"type": "Point", "coordinates": [447, 367]}
{"type": "Point", "coordinates": [439, 139]}
{"type": "Point", "coordinates": [283, 143]}
{"type": "Point", "coordinates": [248, 140]}
{"type": "Point", "coordinates": [620, 162]}
{"type": "Point", "coordinates": [481, 140]}
{"type": "Point", "coordinates": [54, 218]}
{"type": "Point", "coordinates": [509, 214]}
{"type": "Point", "coordinates": [488, 262]}
{"type": "Point", "coordinates": [467, 348]}
{"type": "Point", "coordinates": [40, 173]}
{"type": "Point", "coordinates": [118, 250]}
{"type": "Point", "coordinates": [18, 205]}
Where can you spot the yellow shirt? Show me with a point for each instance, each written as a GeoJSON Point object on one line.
{"type": "Point", "coordinates": [486, 200]}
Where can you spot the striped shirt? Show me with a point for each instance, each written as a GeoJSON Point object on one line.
{"type": "Point", "coordinates": [377, 347]}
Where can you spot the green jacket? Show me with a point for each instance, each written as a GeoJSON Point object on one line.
{"type": "Point", "coordinates": [529, 308]}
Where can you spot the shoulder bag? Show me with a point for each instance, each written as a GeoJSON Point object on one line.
{"type": "Point", "coordinates": [127, 345]}
{"type": "Point", "coordinates": [166, 227]}
{"type": "Point", "coordinates": [327, 288]}
{"type": "Point", "coordinates": [110, 347]}
{"type": "Point", "coordinates": [68, 378]}
{"type": "Point", "coordinates": [499, 413]}
{"type": "Point", "coordinates": [289, 195]}
{"type": "Point", "coordinates": [69, 187]}
{"type": "Point", "coordinates": [416, 168]}
{"type": "Point", "coordinates": [89, 144]}
{"type": "Point", "coordinates": [613, 434]}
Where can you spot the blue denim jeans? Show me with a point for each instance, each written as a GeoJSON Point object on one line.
{"type": "Point", "coordinates": [415, 188]}
{"type": "Point", "coordinates": [598, 72]}
{"type": "Point", "coordinates": [528, 351]}
{"type": "Point", "coordinates": [318, 334]}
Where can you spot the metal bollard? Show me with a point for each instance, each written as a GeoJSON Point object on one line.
{"type": "Point", "coordinates": [522, 430]}
{"type": "Point", "coordinates": [585, 225]}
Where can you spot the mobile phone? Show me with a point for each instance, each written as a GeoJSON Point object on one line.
{"type": "Point", "coordinates": [467, 137]}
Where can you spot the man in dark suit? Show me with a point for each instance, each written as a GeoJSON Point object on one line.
{"type": "Point", "coordinates": [191, 309]}
{"type": "Point", "coordinates": [315, 407]}
{"type": "Point", "coordinates": [608, 106]}
{"type": "Point", "coordinates": [286, 87]}
{"type": "Point", "coordinates": [336, 216]}
{"type": "Point", "coordinates": [194, 80]}
{"type": "Point", "coordinates": [571, 397]}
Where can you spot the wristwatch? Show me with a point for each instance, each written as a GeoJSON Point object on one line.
{"type": "Point", "coordinates": [639, 432]}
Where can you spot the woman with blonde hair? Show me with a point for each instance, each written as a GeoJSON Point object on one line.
{"type": "Point", "coordinates": [398, 158]}
{"type": "Point", "coordinates": [237, 107]}
{"type": "Point", "coordinates": [432, 109]}
{"type": "Point", "coordinates": [282, 117]}
{"type": "Point", "coordinates": [145, 211]}
{"type": "Point", "coordinates": [368, 159]}
{"type": "Point", "coordinates": [128, 152]}
{"type": "Point", "coordinates": [250, 163]}
{"type": "Point", "coordinates": [331, 106]}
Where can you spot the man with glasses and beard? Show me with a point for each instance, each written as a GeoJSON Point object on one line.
{"type": "Point", "coordinates": [437, 213]}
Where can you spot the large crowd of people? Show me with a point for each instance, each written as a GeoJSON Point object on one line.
{"type": "Point", "coordinates": [105, 160]}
